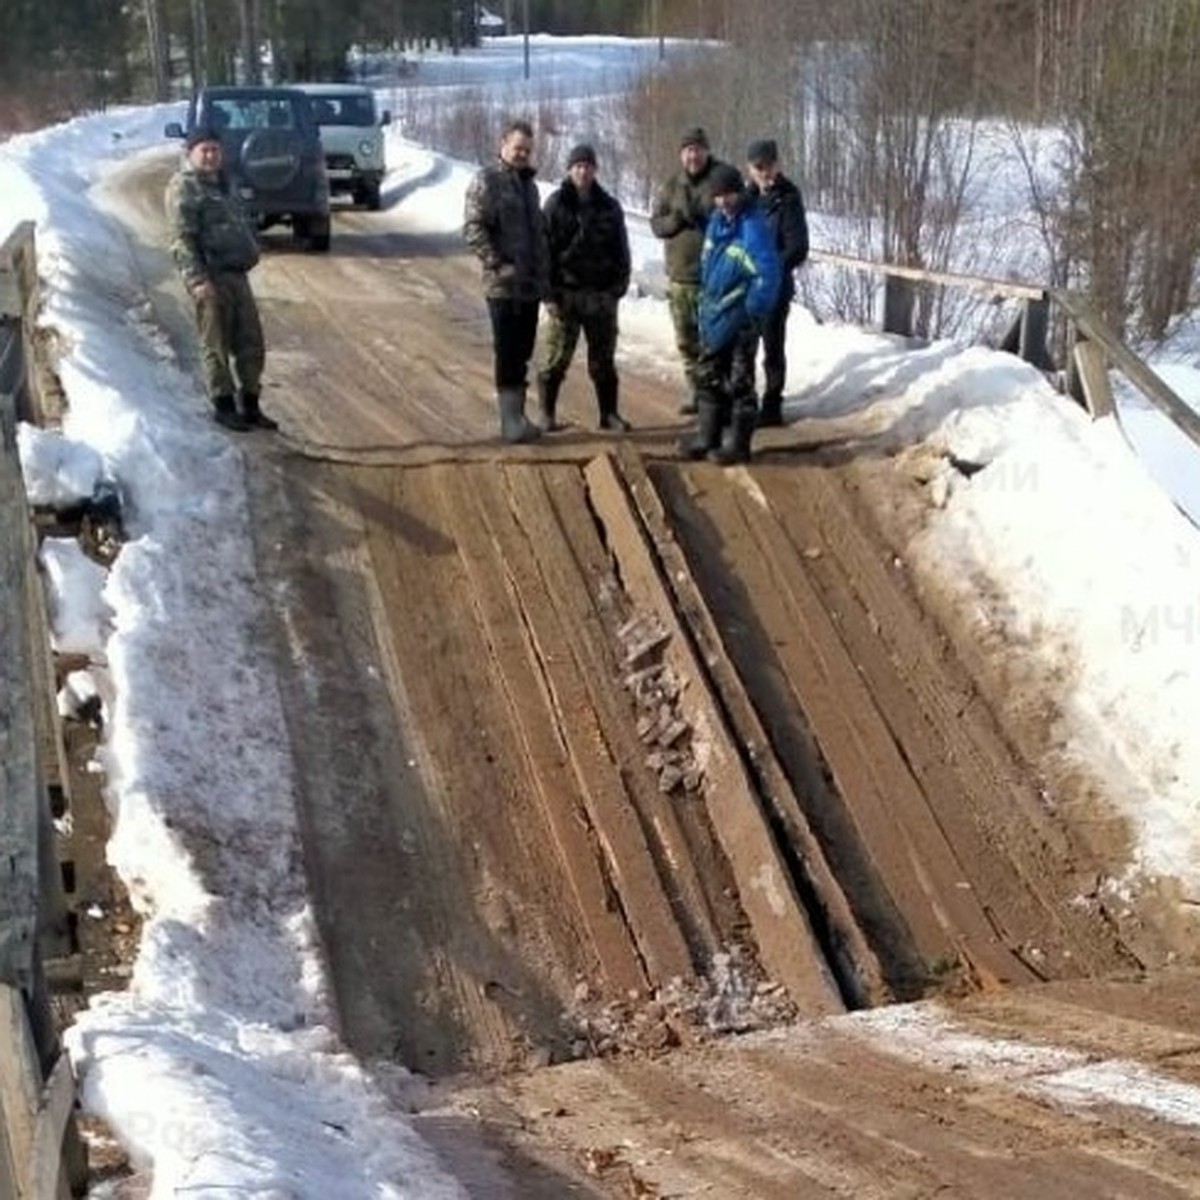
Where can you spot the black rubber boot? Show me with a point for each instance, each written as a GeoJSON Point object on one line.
{"type": "Point", "coordinates": [225, 413]}
{"type": "Point", "coordinates": [515, 426]}
{"type": "Point", "coordinates": [253, 416]}
{"type": "Point", "coordinates": [735, 442]}
{"type": "Point", "coordinates": [607, 392]}
{"type": "Point", "coordinates": [548, 389]}
{"type": "Point", "coordinates": [770, 416]}
{"type": "Point", "coordinates": [708, 430]}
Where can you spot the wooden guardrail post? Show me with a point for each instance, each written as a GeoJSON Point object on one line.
{"type": "Point", "coordinates": [1035, 329]}
{"type": "Point", "coordinates": [899, 298]}
{"type": "Point", "coordinates": [18, 312]}
{"type": "Point", "coordinates": [1113, 352]}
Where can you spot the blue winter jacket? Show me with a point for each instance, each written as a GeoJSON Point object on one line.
{"type": "Point", "coordinates": [739, 275]}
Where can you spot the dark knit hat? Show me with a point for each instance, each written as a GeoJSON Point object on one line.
{"type": "Point", "coordinates": [763, 151]}
{"type": "Point", "coordinates": [202, 133]}
{"type": "Point", "coordinates": [583, 153]}
{"type": "Point", "coordinates": [694, 137]}
{"type": "Point", "coordinates": [726, 179]}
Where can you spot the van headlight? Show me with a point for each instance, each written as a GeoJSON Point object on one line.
{"type": "Point", "coordinates": [366, 149]}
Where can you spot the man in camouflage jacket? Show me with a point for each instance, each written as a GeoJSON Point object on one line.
{"type": "Point", "coordinates": [502, 223]}
{"type": "Point", "coordinates": [679, 217]}
{"type": "Point", "coordinates": [589, 273]}
{"type": "Point", "coordinates": [214, 247]}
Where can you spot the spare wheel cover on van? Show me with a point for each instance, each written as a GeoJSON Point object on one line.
{"type": "Point", "coordinates": [271, 158]}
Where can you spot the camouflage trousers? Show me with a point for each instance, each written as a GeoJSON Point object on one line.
{"type": "Point", "coordinates": [684, 301]}
{"type": "Point", "coordinates": [594, 314]}
{"type": "Point", "coordinates": [232, 350]}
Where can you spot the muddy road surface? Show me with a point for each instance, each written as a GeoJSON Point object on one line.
{"type": "Point", "coordinates": [637, 793]}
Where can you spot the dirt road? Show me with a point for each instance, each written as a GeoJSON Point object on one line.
{"type": "Point", "coordinates": [608, 758]}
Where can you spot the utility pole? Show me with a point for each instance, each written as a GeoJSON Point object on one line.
{"type": "Point", "coordinates": [658, 29]}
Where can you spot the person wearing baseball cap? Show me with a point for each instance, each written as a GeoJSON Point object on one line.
{"type": "Point", "coordinates": [678, 218]}
{"type": "Point", "coordinates": [215, 248]}
{"type": "Point", "coordinates": [589, 273]}
{"type": "Point", "coordinates": [782, 206]}
{"type": "Point", "coordinates": [739, 285]}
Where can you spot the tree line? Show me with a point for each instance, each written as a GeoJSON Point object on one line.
{"type": "Point", "coordinates": [885, 107]}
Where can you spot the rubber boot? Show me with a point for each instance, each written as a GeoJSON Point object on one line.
{"type": "Point", "coordinates": [225, 413]}
{"type": "Point", "coordinates": [548, 389]}
{"type": "Point", "coordinates": [735, 442]}
{"type": "Point", "coordinates": [514, 425]}
{"type": "Point", "coordinates": [770, 416]}
{"type": "Point", "coordinates": [253, 416]}
{"type": "Point", "coordinates": [708, 430]}
{"type": "Point", "coordinates": [607, 392]}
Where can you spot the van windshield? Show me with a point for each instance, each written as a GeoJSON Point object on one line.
{"type": "Point", "coordinates": [344, 110]}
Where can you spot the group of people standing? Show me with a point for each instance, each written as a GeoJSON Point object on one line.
{"type": "Point", "coordinates": [731, 247]}
{"type": "Point", "coordinates": [573, 256]}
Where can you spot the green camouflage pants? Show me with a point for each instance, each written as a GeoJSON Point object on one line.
{"type": "Point", "coordinates": [684, 300]}
{"type": "Point", "coordinates": [595, 315]}
{"type": "Point", "coordinates": [231, 338]}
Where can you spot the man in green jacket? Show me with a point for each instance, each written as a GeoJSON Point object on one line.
{"type": "Point", "coordinates": [679, 217]}
{"type": "Point", "coordinates": [214, 246]}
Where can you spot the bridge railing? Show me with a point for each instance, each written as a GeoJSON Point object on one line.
{"type": "Point", "coordinates": [1092, 348]}
{"type": "Point", "coordinates": [40, 1156]}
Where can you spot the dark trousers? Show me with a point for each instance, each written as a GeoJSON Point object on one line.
{"type": "Point", "coordinates": [725, 377]}
{"type": "Point", "coordinates": [774, 337]}
{"type": "Point", "coordinates": [514, 333]}
{"type": "Point", "coordinates": [594, 314]}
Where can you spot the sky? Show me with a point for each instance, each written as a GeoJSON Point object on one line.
{"type": "Point", "coordinates": [219, 1068]}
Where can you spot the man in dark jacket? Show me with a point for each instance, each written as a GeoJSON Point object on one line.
{"type": "Point", "coordinates": [780, 202]}
{"type": "Point", "coordinates": [214, 246]}
{"type": "Point", "coordinates": [739, 287]}
{"type": "Point", "coordinates": [502, 223]}
{"type": "Point", "coordinates": [589, 273]}
{"type": "Point", "coordinates": [679, 217]}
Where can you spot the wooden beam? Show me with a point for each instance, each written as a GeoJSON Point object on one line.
{"type": "Point", "coordinates": [18, 272]}
{"type": "Point", "coordinates": [20, 1084]}
{"type": "Point", "coordinates": [1134, 369]}
{"type": "Point", "coordinates": [20, 780]}
{"type": "Point", "coordinates": [971, 283]}
{"type": "Point", "coordinates": [45, 1175]}
{"type": "Point", "coordinates": [1091, 364]}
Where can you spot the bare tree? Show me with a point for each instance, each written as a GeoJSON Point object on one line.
{"type": "Point", "coordinates": [157, 44]}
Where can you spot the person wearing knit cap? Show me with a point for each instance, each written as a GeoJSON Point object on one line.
{"type": "Point", "coordinates": [678, 217]}
{"type": "Point", "coordinates": [215, 248]}
{"type": "Point", "coordinates": [739, 285]}
{"type": "Point", "coordinates": [782, 206]}
{"type": "Point", "coordinates": [589, 273]}
{"type": "Point", "coordinates": [583, 153]}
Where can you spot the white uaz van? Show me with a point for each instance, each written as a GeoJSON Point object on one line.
{"type": "Point", "coordinates": [352, 137]}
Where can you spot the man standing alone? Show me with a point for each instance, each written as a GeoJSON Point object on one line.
{"type": "Point", "coordinates": [589, 273]}
{"type": "Point", "coordinates": [214, 247]}
{"type": "Point", "coordinates": [780, 202]}
{"type": "Point", "coordinates": [679, 217]}
{"type": "Point", "coordinates": [502, 223]}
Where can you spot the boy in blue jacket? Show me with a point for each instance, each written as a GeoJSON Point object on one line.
{"type": "Point", "coordinates": [739, 285]}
